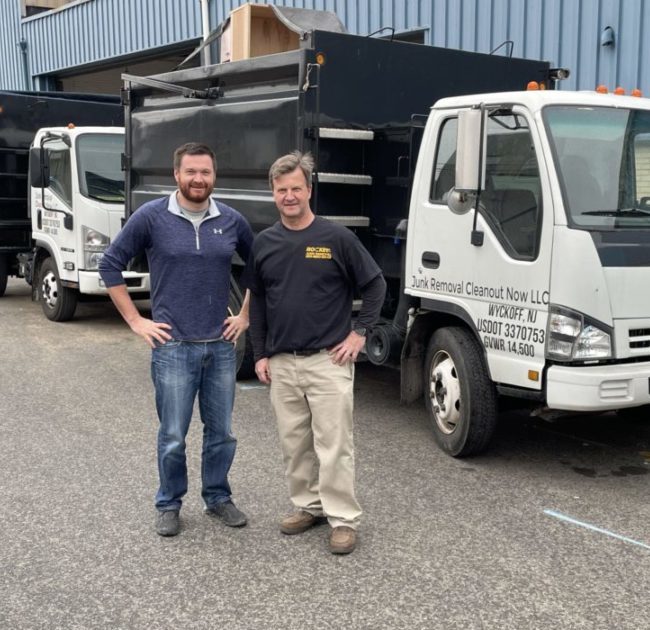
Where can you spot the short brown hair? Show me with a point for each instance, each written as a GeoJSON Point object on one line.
{"type": "Point", "coordinates": [289, 163]}
{"type": "Point", "coordinates": [193, 148]}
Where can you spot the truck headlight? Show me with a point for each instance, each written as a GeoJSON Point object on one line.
{"type": "Point", "coordinates": [95, 243]}
{"type": "Point", "coordinates": [574, 336]}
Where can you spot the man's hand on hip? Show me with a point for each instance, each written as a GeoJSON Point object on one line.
{"type": "Point", "coordinates": [151, 331]}
{"type": "Point", "coordinates": [235, 325]}
{"type": "Point", "coordinates": [348, 350]}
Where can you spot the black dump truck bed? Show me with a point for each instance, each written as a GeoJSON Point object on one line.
{"type": "Point", "coordinates": [356, 111]}
{"type": "Point", "coordinates": [21, 115]}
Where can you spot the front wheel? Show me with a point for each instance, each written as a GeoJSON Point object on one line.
{"type": "Point", "coordinates": [58, 302]}
{"type": "Point", "coordinates": [459, 395]}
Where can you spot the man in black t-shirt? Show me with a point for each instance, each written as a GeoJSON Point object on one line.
{"type": "Point", "coordinates": [302, 273]}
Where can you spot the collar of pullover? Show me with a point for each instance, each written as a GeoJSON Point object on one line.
{"type": "Point", "coordinates": [174, 208]}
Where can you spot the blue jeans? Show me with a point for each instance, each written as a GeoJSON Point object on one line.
{"type": "Point", "coordinates": [180, 370]}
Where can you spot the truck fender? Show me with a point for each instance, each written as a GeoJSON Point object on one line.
{"type": "Point", "coordinates": [432, 315]}
{"type": "Point", "coordinates": [41, 252]}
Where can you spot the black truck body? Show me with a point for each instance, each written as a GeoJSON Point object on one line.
{"type": "Point", "coordinates": [21, 115]}
{"type": "Point", "coordinates": [357, 103]}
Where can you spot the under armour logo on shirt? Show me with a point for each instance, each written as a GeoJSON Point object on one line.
{"type": "Point", "coordinates": [218, 231]}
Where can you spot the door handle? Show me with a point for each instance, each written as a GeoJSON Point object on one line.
{"type": "Point", "coordinates": [431, 260]}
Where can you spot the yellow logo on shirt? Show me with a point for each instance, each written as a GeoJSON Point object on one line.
{"type": "Point", "coordinates": [321, 253]}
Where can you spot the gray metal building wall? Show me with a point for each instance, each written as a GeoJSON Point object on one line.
{"type": "Point", "coordinates": [12, 75]}
{"type": "Point", "coordinates": [566, 32]}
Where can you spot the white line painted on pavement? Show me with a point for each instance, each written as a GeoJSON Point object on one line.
{"type": "Point", "coordinates": [594, 528]}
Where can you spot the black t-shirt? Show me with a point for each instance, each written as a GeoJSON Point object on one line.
{"type": "Point", "coordinates": [306, 281]}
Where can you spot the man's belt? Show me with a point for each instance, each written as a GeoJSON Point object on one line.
{"type": "Point", "coordinates": [305, 353]}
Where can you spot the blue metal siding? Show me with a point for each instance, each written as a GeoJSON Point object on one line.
{"type": "Point", "coordinates": [101, 29]}
{"type": "Point", "coordinates": [565, 32]}
{"type": "Point", "coordinates": [12, 75]}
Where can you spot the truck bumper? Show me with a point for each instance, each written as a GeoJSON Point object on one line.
{"type": "Point", "coordinates": [90, 282]}
{"type": "Point", "coordinates": [598, 387]}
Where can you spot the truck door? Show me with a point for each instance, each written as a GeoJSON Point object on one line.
{"type": "Point", "coordinates": [51, 207]}
{"type": "Point", "coordinates": [498, 286]}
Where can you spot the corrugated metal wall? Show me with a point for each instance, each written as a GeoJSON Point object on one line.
{"type": "Point", "coordinates": [12, 74]}
{"type": "Point", "coordinates": [565, 32]}
{"type": "Point", "coordinates": [100, 29]}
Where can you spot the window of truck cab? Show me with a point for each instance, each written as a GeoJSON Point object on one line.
{"type": "Point", "coordinates": [602, 159]}
{"type": "Point", "coordinates": [99, 164]}
{"type": "Point", "coordinates": [511, 202]}
{"type": "Point", "coordinates": [60, 175]}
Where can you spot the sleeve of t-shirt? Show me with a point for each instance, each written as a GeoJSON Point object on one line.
{"type": "Point", "coordinates": [250, 278]}
{"type": "Point", "coordinates": [258, 325]}
{"type": "Point", "coordinates": [360, 265]}
{"type": "Point", "coordinates": [372, 298]}
{"type": "Point", "coordinates": [132, 240]}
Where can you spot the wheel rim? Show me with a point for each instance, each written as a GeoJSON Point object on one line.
{"type": "Point", "coordinates": [444, 392]}
{"type": "Point", "coordinates": [50, 289]}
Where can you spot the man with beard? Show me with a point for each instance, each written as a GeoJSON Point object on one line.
{"type": "Point", "coordinates": [189, 240]}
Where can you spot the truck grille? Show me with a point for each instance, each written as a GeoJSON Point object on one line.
{"type": "Point", "coordinates": [639, 338]}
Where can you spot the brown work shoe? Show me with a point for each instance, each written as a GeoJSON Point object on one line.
{"type": "Point", "coordinates": [298, 522]}
{"type": "Point", "coordinates": [343, 540]}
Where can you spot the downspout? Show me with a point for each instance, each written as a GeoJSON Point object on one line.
{"type": "Point", "coordinates": [22, 44]}
{"type": "Point", "coordinates": [205, 22]}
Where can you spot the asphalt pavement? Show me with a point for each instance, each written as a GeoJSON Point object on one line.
{"type": "Point", "coordinates": [549, 529]}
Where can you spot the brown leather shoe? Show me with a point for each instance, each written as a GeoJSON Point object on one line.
{"type": "Point", "coordinates": [343, 540]}
{"type": "Point", "coordinates": [298, 522]}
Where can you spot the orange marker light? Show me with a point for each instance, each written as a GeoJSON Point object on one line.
{"type": "Point", "coordinates": [532, 85]}
{"type": "Point", "coordinates": [636, 92]}
{"type": "Point", "coordinates": [602, 89]}
{"type": "Point", "coordinates": [533, 375]}
{"type": "Point", "coordinates": [71, 125]}
{"type": "Point", "coordinates": [320, 58]}
{"type": "Point", "coordinates": [542, 85]}
{"type": "Point", "coordinates": [619, 90]}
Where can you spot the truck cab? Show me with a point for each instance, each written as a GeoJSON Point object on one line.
{"type": "Point", "coordinates": [76, 208]}
{"type": "Point", "coordinates": [528, 252]}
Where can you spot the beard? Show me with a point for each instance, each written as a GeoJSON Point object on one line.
{"type": "Point", "coordinates": [195, 194]}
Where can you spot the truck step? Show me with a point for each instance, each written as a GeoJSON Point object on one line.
{"type": "Point", "coordinates": [345, 134]}
{"type": "Point", "coordinates": [348, 221]}
{"type": "Point", "coordinates": [344, 178]}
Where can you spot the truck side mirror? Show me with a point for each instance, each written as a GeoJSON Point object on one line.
{"type": "Point", "coordinates": [470, 151]}
{"type": "Point", "coordinates": [39, 168]}
{"type": "Point", "coordinates": [470, 161]}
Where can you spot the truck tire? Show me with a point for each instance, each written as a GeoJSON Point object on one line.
{"type": "Point", "coordinates": [244, 348]}
{"type": "Point", "coordinates": [459, 395]}
{"type": "Point", "coordinates": [4, 274]}
{"type": "Point", "coordinates": [58, 302]}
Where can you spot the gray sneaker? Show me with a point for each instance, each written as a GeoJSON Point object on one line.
{"type": "Point", "coordinates": [168, 523]}
{"type": "Point", "coordinates": [228, 514]}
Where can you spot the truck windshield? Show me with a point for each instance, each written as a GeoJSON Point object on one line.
{"type": "Point", "coordinates": [100, 166]}
{"type": "Point", "coordinates": [602, 156]}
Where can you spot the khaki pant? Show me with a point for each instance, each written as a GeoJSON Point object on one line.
{"type": "Point", "coordinates": [313, 400]}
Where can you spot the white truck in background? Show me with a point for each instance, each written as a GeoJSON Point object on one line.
{"type": "Point", "coordinates": [61, 194]}
{"type": "Point", "coordinates": [76, 195]}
